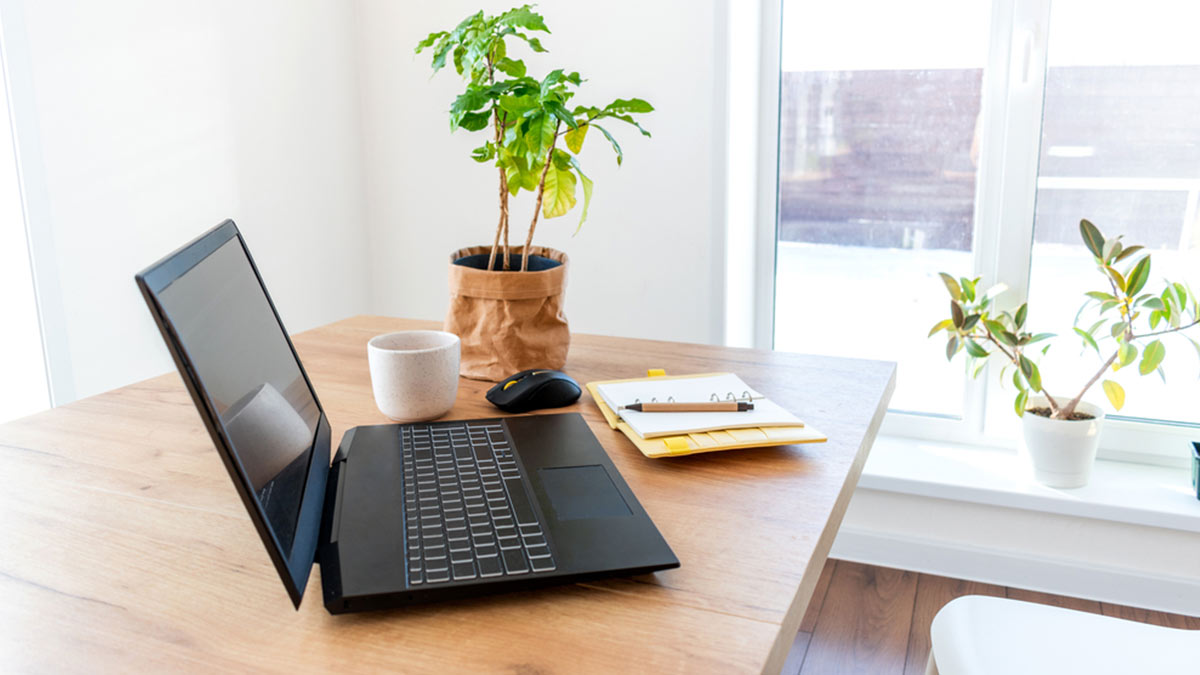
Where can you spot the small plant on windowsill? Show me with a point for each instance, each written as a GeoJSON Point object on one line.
{"type": "Point", "coordinates": [1122, 323]}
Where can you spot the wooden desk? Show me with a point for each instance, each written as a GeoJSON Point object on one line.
{"type": "Point", "coordinates": [126, 549]}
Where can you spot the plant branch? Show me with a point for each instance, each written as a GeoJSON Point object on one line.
{"type": "Point", "coordinates": [1070, 407]}
{"type": "Point", "coordinates": [537, 207]}
{"type": "Point", "coordinates": [1165, 332]}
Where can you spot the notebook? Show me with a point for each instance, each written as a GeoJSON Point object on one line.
{"type": "Point", "coordinates": [704, 441]}
{"type": "Point", "coordinates": [721, 386]}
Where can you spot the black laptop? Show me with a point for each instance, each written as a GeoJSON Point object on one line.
{"type": "Point", "coordinates": [405, 513]}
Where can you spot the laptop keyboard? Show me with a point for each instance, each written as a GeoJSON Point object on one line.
{"type": "Point", "coordinates": [467, 512]}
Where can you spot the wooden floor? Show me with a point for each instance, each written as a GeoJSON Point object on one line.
{"type": "Point", "coordinates": [875, 620]}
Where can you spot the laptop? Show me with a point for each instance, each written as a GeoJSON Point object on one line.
{"type": "Point", "coordinates": [404, 513]}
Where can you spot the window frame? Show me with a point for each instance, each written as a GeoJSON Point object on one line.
{"type": "Point", "coordinates": [1012, 99]}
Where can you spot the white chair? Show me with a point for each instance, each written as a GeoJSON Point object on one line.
{"type": "Point", "coordinates": [980, 635]}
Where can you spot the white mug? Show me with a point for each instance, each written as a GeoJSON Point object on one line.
{"type": "Point", "coordinates": [414, 373]}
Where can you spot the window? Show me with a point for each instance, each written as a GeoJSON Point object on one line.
{"type": "Point", "coordinates": [969, 136]}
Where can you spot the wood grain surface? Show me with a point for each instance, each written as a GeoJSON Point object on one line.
{"type": "Point", "coordinates": [126, 548]}
{"type": "Point", "coordinates": [857, 619]}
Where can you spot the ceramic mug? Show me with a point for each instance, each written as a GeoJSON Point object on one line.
{"type": "Point", "coordinates": [414, 373]}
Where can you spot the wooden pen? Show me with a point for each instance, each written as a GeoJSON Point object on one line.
{"type": "Point", "coordinates": [705, 406]}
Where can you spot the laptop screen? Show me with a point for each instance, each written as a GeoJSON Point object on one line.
{"type": "Point", "coordinates": [242, 360]}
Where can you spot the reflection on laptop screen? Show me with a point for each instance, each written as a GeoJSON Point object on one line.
{"type": "Point", "coordinates": [241, 357]}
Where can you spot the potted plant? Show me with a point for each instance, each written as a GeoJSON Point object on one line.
{"type": "Point", "coordinates": [507, 303]}
{"type": "Point", "coordinates": [1121, 323]}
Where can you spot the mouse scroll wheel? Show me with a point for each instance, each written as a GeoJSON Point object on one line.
{"type": "Point", "coordinates": [509, 384]}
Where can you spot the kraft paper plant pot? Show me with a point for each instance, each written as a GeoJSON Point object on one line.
{"type": "Point", "coordinates": [508, 321]}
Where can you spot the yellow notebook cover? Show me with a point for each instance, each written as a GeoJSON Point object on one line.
{"type": "Point", "coordinates": [711, 441]}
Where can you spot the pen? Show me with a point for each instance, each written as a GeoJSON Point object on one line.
{"type": "Point", "coordinates": [706, 406]}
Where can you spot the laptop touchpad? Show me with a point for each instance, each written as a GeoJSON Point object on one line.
{"type": "Point", "coordinates": [582, 492]}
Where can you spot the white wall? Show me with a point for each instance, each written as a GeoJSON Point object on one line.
{"type": "Point", "coordinates": [646, 263]}
{"type": "Point", "coordinates": [140, 124]}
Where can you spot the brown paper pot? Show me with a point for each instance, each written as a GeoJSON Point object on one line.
{"type": "Point", "coordinates": [508, 321]}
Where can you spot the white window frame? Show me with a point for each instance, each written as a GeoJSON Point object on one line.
{"type": "Point", "coordinates": [1006, 191]}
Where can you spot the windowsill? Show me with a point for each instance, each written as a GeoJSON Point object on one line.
{"type": "Point", "coordinates": [1124, 492]}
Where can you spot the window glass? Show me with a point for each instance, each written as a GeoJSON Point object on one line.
{"type": "Point", "coordinates": [878, 150]}
{"type": "Point", "coordinates": [1121, 123]}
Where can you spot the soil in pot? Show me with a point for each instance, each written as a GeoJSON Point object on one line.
{"type": "Point", "coordinates": [1045, 411]}
{"type": "Point", "coordinates": [479, 261]}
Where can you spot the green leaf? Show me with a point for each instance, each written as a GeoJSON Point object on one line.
{"type": "Point", "coordinates": [523, 17]}
{"type": "Point", "coordinates": [615, 146]}
{"type": "Point", "coordinates": [1138, 276]}
{"type": "Point", "coordinates": [1099, 295]}
{"type": "Point", "coordinates": [956, 314]}
{"type": "Point", "coordinates": [1118, 328]}
{"type": "Point", "coordinates": [952, 286]}
{"type": "Point", "coordinates": [1020, 317]}
{"type": "Point", "coordinates": [975, 350]}
{"type": "Point", "coordinates": [1030, 370]}
{"type": "Point", "coordinates": [1116, 276]}
{"type": "Point", "coordinates": [994, 327]}
{"type": "Point", "coordinates": [540, 134]}
{"type": "Point", "coordinates": [951, 347]}
{"type": "Point", "coordinates": [559, 194]}
{"type": "Point", "coordinates": [968, 289]}
{"type": "Point", "coordinates": [1017, 381]}
{"type": "Point", "coordinates": [511, 67]}
{"type": "Point", "coordinates": [1153, 303]}
{"type": "Point", "coordinates": [970, 321]}
{"type": "Point", "coordinates": [574, 138]}
{"type": "Point", "coordinates": [1020, 402]}
{"type": "Point", "coordinates": [474, 121]}
{"type": "Point", "coordinates": [561, 113]}
{"type": "Point", "coordinates": [1092, 237]}
{"type": "Point", "coordinates": [1152, 355]}
{"type": "Point", "coordinates": [1111, 248]}
{"type": "Point", "coordinates": [483, 153]}
{"type": "Point", "coordinates": [1125, 253]}
{"type": "Point", "coordinates": [428, 42]}
{"type": "Point", "coordinates": [1155, 317]}
{"type": "Point", "coordinates": [1039, 337]}
{"type": "Point", "coordinates": [1115, 394]}
{"type": "Point", "coordinates": [1127, 354]}
{"type": "Point", "coordinates": [629, 105]}
{"type": "Point", "coordinates": [944, 324]}
{"type": "Point", "coordinates": [587, 192]}
{"type": "Point", "coordinates": [1088, 339]}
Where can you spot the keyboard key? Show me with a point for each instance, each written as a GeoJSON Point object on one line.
{"type": "Point", "coordinates": [538, 551]}
{"type": "Point", "coordinates": [414, 577]}
{"type": "Point", "coordinates": [490, 567]}
{"type": "Point", "coordinates": [508, 543]}
{"type": "Point", "coordinates": [437, 576]}
{"type": "Point", "coordinates": [542, 564]}
{"type": "Point", "coordinates": [459, 557]}
{"type": "Point", "coordinates": [514, 561]}
{"type": "Point", "coordinates": [534, 540]}
{"type": "Point", "coordinates": [463, 571]}
{"type": "Point", "coordinates": [486, 551]}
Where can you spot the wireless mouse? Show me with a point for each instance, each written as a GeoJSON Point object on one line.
{"type": "Point", "coordinates": [534, 389]}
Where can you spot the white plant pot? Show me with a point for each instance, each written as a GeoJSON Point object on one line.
{"type": "Point", "coordinates": [1062, 451]}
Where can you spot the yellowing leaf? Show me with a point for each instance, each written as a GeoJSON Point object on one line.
{"type": "Point", "coordinates": [559, 195]}
{"type": "Point", "coordinates": [1115, 394]}
{"type": "Point", "coordinates": [574, 138]}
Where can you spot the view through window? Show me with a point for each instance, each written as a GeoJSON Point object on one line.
{"type": "Point", "coordinates": [878, 154]}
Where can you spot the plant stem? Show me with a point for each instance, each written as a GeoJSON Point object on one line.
{"type": "Point", "coordinates": [537, 207]}
{"type": "Point", "coordinates": [1070, 407]}
{"type": "Point", "coordinates": [1165, 332]}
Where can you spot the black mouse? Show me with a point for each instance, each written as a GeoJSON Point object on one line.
{"type": "Point", "coordinates": [534, 389]}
